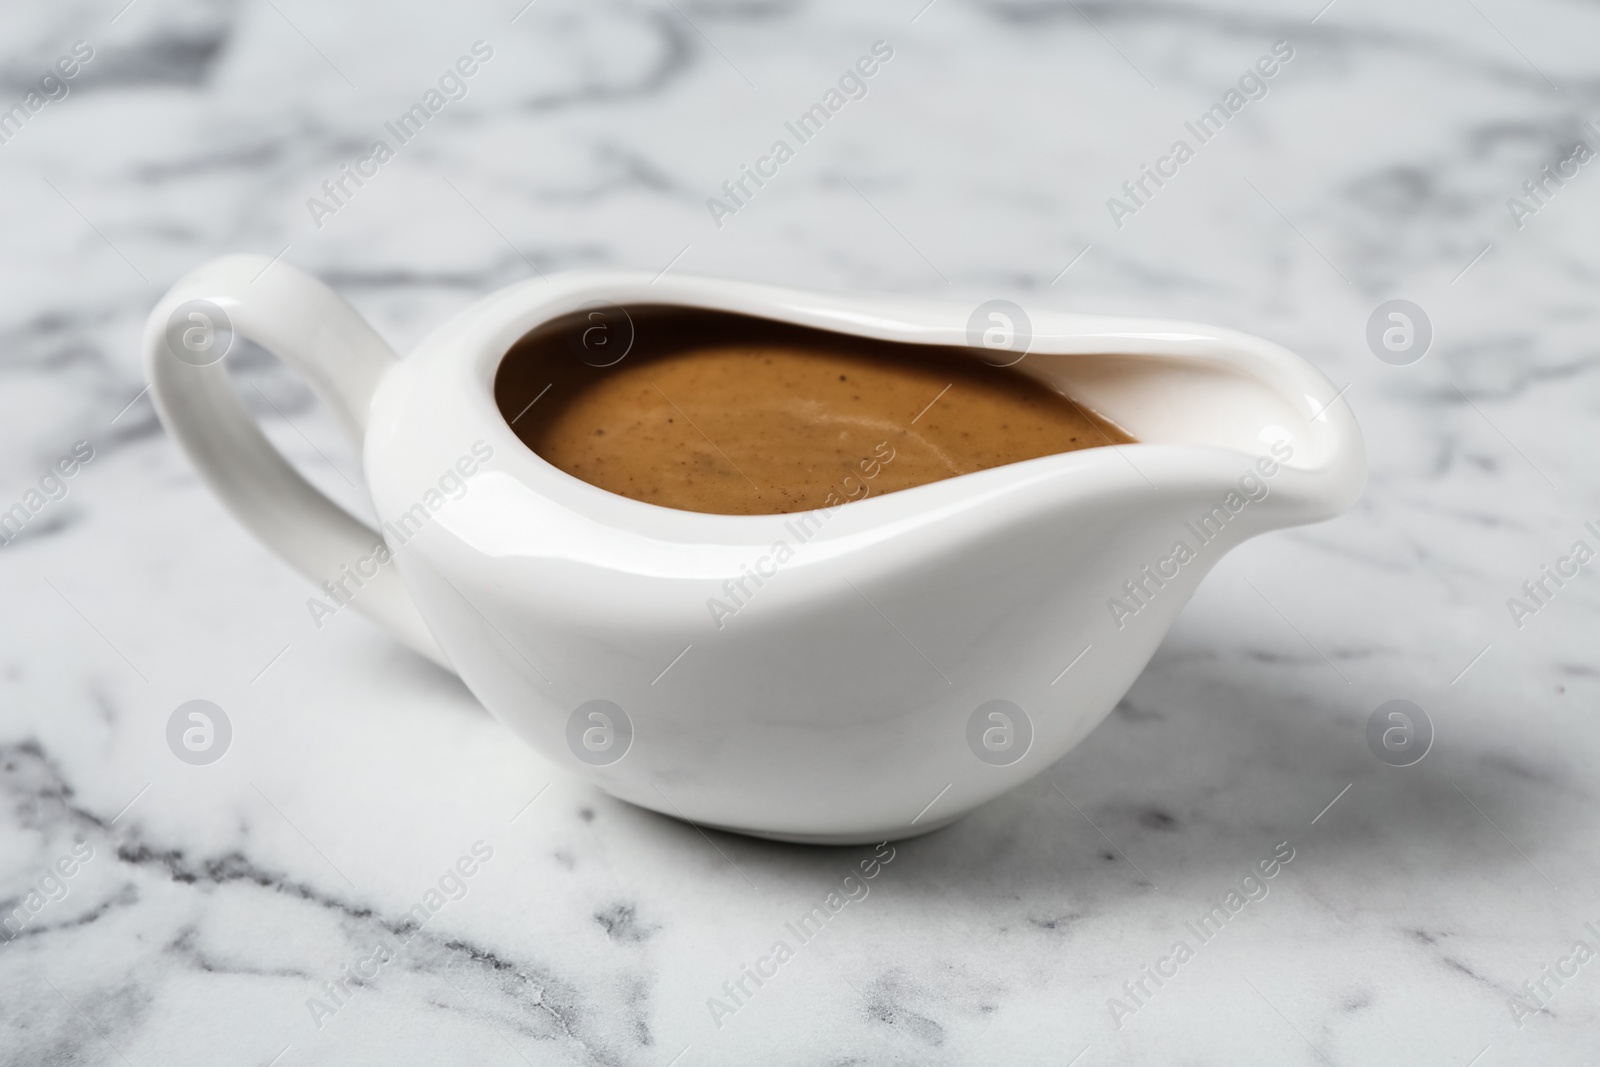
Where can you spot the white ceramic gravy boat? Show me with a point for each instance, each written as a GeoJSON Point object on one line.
{"type": "Point", "coordinates": [907, 658]}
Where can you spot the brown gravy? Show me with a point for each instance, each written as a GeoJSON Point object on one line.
{"type": "Point", "coordinates": [733, 415]}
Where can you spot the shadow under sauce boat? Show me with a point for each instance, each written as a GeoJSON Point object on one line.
{"type": "Point", "coordinates": [907, 664]}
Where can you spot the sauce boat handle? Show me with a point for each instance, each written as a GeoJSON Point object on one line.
{"type": "Point", "coordinates": [314, 331]}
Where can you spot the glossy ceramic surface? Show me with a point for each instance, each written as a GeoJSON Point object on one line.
{"type": "Point", "coordinates": [867, 672]}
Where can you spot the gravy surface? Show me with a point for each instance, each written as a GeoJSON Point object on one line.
{"type": "Point", "coordinates": [739, 416]}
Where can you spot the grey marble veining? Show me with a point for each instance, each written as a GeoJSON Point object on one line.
{"type": "Point", "coordinates": [217, 903]}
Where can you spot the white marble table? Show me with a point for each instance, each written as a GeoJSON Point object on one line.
{"type": "Point", "coordinates": [217, 901]}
